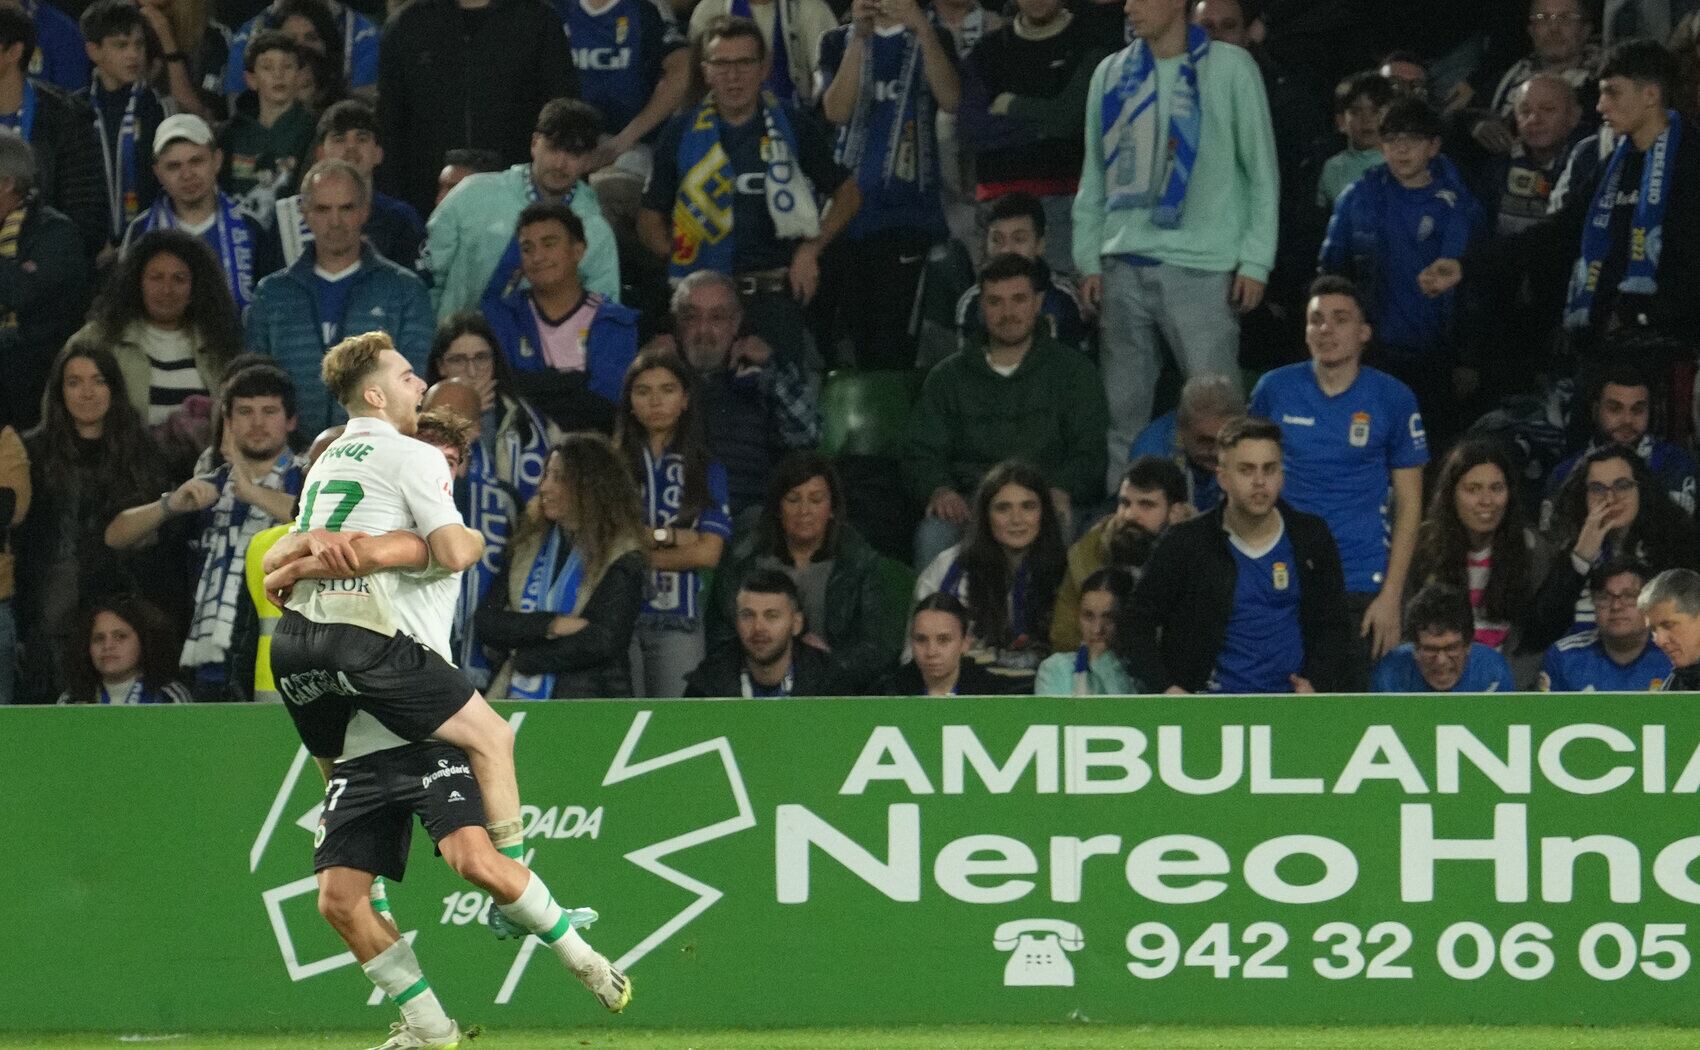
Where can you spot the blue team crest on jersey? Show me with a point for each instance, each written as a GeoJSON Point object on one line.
{"type": "Point", "coordinates": [1279, 576]}
{"type": "Point", "coordinates": [622, 28]}
{"type": "Point", "coordinates": [1358, 434]}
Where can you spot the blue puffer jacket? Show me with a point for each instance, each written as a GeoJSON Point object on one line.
{"type": "Point", "coordinates": [610, 348]}
{"type": "Point", "coordinates": [284, 322]}
{"type": "Point", "coordinates": [1366, 243]}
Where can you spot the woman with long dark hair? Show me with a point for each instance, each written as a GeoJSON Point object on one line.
{"type": "Point", "coordinates": [1006, 572]}
{"type": "Point", "coordinates": [564, 606]}
{"type": "Point", "coordinates": [168, 318]}
{"type": "Point", "coordinates": [658, 429]}
{"type": "Point", "coordinates": [122, 652]}
{"type": "Point", "coordinates": [1475, 538]}
{"type": "Point", "coordinates": [1610, 505]}
{"type": "Point", "coordinates": [89, 459]}
{"type": "Point", "coordinates": [805, 532]}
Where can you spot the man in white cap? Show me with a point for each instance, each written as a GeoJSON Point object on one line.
{"type": "Point", "coordinates": [186, 160]}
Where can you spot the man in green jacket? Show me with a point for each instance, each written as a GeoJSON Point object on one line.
{"type": "Point", "coordinates": [1019, 395]}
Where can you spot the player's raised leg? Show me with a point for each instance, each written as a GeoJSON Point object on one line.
{"type": "Point", "coordinates": [488, 741]}
{"type": "Point", "coordinates": [520, 895]}
{"type": "Point", "coordinates": [388, 961]}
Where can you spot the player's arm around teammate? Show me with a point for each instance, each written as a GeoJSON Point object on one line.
{"type": "Point", "coordinates": [324, 555]}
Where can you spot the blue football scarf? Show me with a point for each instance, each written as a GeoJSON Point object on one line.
{"type": "Point", "coordinates": [230, 242]}
{"type": "Point", "coordinates": [547, 590]}
{"type": "Point", "coordinates": [1646, 232]}
{"type": "Point", "coordinates": [136, 693]}
{"type": "Point", "coordinates": [702, 209]}
{"type": "Point", "coordinates": [1135, 157]}
{"type": "Point", "coordinates": [506, 280]}
{"type": "Point", "coordinates": [912, 110]}
{"type": "Point", "coordinates": [500, 482]}
{"type": "Point", "coordinates": [121, 163]}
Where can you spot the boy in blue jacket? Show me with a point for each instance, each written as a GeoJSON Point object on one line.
{"type": "Point", "coordinates": [1389, 231]}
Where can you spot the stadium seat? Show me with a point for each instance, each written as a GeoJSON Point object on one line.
{"type": "Point", "coordinates": [866, 413]}
{"type": "Point", "coordinates": [897, 590]}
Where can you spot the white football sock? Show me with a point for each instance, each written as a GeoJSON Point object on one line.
{"type": "Point", "coordinates": [396, 971]}
{"type": "Point", "coordinates": [536, 910]}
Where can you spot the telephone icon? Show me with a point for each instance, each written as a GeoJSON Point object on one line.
{"type": "Point", "coordinates": [1038, 946]}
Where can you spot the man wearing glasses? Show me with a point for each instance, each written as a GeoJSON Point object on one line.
{"type": "Point", "coordinates": [1440, 657]}
{"type": "Point", "coordinates": [1560, 31]}
{"type": "Point", "coordinates": [758, 406]}
{"type": "Point", "coordinates": [1622, 414]}
{"type": "Point", "coordinates": [746, 185]}
{"type": "Point", "coordinates": [1616, 656]}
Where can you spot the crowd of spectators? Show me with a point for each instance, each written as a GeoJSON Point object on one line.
{"type": "Point", "coordinates": [854, 347]}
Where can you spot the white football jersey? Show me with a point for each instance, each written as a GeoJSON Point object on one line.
{"type": "Point", "coordinates": [375, 480]}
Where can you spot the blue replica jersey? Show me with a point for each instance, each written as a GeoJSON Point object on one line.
{"type": "Point", "coordinates": [677, 594]}
{"type": "Point", "coordinates": [1340, 453]}
{"type": "Point", "coordinates": [890, 138]}
{"type": "Point", "coordinates": [618, 54]}
{"type": "Point", "coordinates": [333, 302]}
{"type": "Point", "coordinates": [1485, 671]}
{"type": "Point", "coordinates": [1578, 663]}
{"type": "Point", "coordinates": [59, 57]}
{"type": "Point", "coordinates": [1263, 645]}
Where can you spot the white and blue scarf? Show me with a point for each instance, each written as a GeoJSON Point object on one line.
{"type": "Point", "coordinates": [547, 589]}
{"type": "Point", "coordinates": [230, 525]}
{"type": "Point", "coordinates": [912, 87]}
{"type": "Point", "coordinates": [1137, 154]}
{"type": "Point", "coordinates": [702, 210]}
{"type": "Point", "coordinates": [119, 159]}
{"type": "Point", "coordinates": [231, 243]}
{"type": "Point", "coordinates": [500, 481]}
{"type": "Point", "coordinates": [1646, 232]}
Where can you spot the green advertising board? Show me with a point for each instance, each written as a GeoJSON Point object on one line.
{"type": "Point", "coordinates": [1500, 859]}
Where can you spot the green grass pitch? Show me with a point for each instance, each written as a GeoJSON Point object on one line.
{"type": "Point", "coordinates": [964, 1037]}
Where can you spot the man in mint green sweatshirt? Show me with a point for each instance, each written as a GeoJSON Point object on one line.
{"type": "Point", "coordinates": [1174, 223]}
{"type": "Point", "coordinates": [471, 249]}
{"type": "Point", "coordinates": [1018, 394]}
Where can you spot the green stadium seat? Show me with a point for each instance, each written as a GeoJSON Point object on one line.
{"type": "Point", "coordinates": [867, 413]}
{"type": "Point", "coordinates": [897, 590]}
